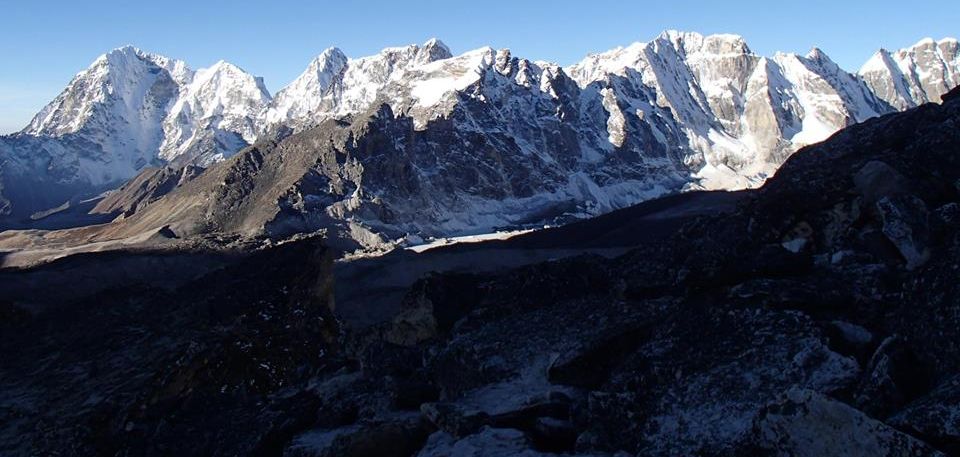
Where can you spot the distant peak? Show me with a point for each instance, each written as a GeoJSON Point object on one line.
{"type": "Point", "coordinates": [433, 50]}
{"type": "Point", "coordinates": [485, 51]}
{"type": "Point", "coordinates": [947, 42]}
{"type": "Point", "coordinates": [925, 43]}
{"type": "Point", "coordinates": [119, 58]}
{"type": "Point", "coordinates": [879, 61]}
{"type": "Point", "coordinates": [718, 43]}
{"type": "Point", "coordinates": [222, 66]}
{"type": "Point", "coordinates": [330, 58]}
{"type": "Point", "coordinates": [819, 56]}
{"type": "Point", "coordinates": [673, 35]}
{"type": "Point", "coordinates": [324, 68]}
{"type": "Point", "coordinates": [696, 36]}
{"type": "Point", "coordinates": [436, 43]}
{"type": "Point", "coordinates": [126, 49]}
{"type": "Point", "coordinates": [331, 51]}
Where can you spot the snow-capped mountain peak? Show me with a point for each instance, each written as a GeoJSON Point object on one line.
{"type": "Point", "coordinates": [430, 84]}
{"type": "Point", "coordinates": [433, 50]}
{"type": "Point", "coordinates": [115, 83]}
{"type": "Point", "coordinates": [694, 43]}
{"type": "Point", "coordinates": [215, 115]}
{"type": "Point", "coordinates": [323, 69]}
{"type": "Point", "coordinates": [335, 85]}
{"type": "Point", "coordinates": [132, 108]}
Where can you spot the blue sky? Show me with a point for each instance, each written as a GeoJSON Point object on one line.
{"type": "Point", "coordinates": [44, 43]}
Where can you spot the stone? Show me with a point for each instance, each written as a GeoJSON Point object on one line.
{"type": "Point", "coordinates": [588, 365]}
{"type": "Point", "coordinates": [489, 442]}
{"type": "Point", "coordinates": [806, 423]}
{"type": "Point", "coordinates": [889, 380]}
{"type": "Point", "coordinates": [905, 222]}
{"type": "Point", "coordinates": [877, 180]}
{"type": "Point", "coordinates": [397, 438]}
{"type": "Point", "coordinates": [848, 338]}
{"type": "Point", "coordinates": [525, 417]}
{"type": "Point", "coordinates": [453, 419]}
{"type": "Point", "coordinates": [554, 435]}
{"type": "Point", "coordinates": [946, 218]}
{"type": "Point", "coordinates": [935, 417]}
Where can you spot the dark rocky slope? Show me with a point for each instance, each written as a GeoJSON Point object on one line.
{"type": "Point", "coordinates": [817, 317]}
{"type": "Point", "coordinates": [212, 364]}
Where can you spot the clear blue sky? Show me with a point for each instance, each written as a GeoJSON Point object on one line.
{"type": "Point", "coordinates": [44, 43]}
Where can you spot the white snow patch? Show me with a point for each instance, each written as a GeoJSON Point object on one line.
{"type": "Point", "coordinates": [467, 239]}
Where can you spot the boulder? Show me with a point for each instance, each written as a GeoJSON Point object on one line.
{"type": "Point", "coordinates": [806, 423]}
{"type": "Point", "coordinates": [396, 438]}
{"type": "Point", "coordinates": [905, 224]}
{"type": "Point", "coordinates": [935, 417]}
{"type": "Point", "coordinates": [454, 419]}
{"type": "Point", "coordinates": [489, 442]}
{"type": "Point", "coordinates": [554, 435]}
{"type": "Point", "coordinates": [877, 180]}
{"type": "Point", "coordinates": [588, 365]}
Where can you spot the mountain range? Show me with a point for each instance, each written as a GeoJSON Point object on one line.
{"type": "Point", "coordinates": [415, 142]}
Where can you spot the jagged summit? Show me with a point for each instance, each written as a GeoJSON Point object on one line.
{"type": "Point", "coordinates": [693, 42]}
{"type": "Point", "coordinates": [434, 41]}
{"type": "Point", "coordinates": [434, 49]}
{"type": "Point", "coordinates": [335, 85]}
{"type": "Point", "coordinates": [128, 50]}
{"type": "Point", "coordinates": [327, 65]}
{"type": "Point", "coordinates": [817, 54]}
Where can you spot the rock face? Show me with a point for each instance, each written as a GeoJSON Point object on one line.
{"type": "Point", "coordinates": [215, 115]}
{"type": "Point", "coordinates": [683, 111]}
{"type": "Point", "coordinates": [740, 114]}
{"type": "Point", "coordinates": [916, 75]}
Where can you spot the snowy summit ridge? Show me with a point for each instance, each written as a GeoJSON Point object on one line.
{"type": "Point", "coordinates": [684, 110]}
